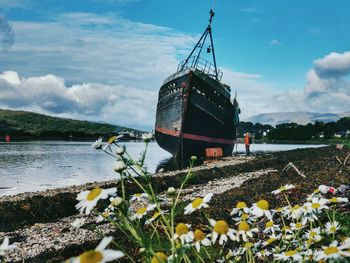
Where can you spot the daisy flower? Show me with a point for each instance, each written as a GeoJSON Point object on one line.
{"type": "Point", "coordinates": [139, 197]}
{"type": "Point", "coordinates": [119, 166]}
{"type": "Point", "coordinates": [333, 251]}
{"type": "Point", "coordinates": [6, 246]}
{"type": "Point", "coordinates": [290, 255]}
{"type": "Point", "coordinates": [263, 254]}
{"type": "Point", "coordinates": [78, 223]}
{"type": "Point", "coordinates": [103, 216]}
{"type": "Point", "coordinates": [147, 137]}
{"type": "Point", "coordinates": [240, 208]}
{"type": "Point", "coordinates": [245, 217]}
{"type": "Point", "coordinates": [115, 202]}
{"type": "Point", "coordinates": [97, 144]}
{"type": "Point", "coordinates": [316, 204]}
{"type": "Point", "coordinates": [271, 227]}
{"type": "Point", "coordinates": [142, 211]}
{"type": "Point", "coordinates": [271, 239]}
{"type": "Point", "coordinates": [120, 150]}
{"type": "Point", "coordinates": [261, 208]}
{"type": "Point", "coordinates": [245, 231]}
{"type": "Point", "coordinates": [221, 228]}
{"type": "Point", "coordinates": [183, 233]}
{"type": "Point", "coordinates": [159, 257]}
{"type": "Point", "coordinates": [197, 204]}
{"type": "Point", "coordinates": [100, 254]}
{"type": "Point", "coordinates": [294, 212]}
{"type": "Point", "coordinates": [200, 239]}
{"type": "Point", "coordinates": [88, 199]}
{"type": "Point", "coordinates": [111, 140]}
{"type": "Point", "coordinates": [297, 226]}
{"type": "Point", "coordinates": [313, 234]}
{"type": "Point", "coordinates": [282, 189]}
{"type": "Point", "coordinates": [332, 228]}
{"type": "Point", "coordinates": [338, 200]}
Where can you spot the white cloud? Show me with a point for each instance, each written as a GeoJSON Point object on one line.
{"type": "Point", "coordinates": [84, 47]}
{"type": "Point", "coordinates": [275, 42]}
{"type": "Point", "coordinates": [50, 95]}
{"type": "Point", "coordinates": [333, 65]}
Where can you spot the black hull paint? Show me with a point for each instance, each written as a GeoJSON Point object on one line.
{"type": "Point", "coordinates": [194, 112]}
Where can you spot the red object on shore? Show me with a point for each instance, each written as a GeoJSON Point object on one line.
{"type": "Point", "coordinates": [7, 138]}
{"type": "Point", "coordinates": [213, 152]}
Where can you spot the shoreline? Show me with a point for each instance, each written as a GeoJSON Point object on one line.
{"type": "Point", "coordinates": [52, 211]}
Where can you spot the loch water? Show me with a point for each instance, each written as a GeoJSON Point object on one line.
{"type": "Point", "coordinates": [40, 165]}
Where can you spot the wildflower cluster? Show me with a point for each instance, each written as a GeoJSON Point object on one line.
{"type": "Point", "coordinates": [163, 228]}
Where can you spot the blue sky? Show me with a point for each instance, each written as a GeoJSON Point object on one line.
{"type": "Point", "coordinates": [94, 59]}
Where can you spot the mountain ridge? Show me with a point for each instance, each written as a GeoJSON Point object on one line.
{"type": "Point", "coordinates": [300, 117]}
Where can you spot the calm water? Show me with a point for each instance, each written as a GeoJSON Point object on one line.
{"type": "Point", "coordinates": [34, 166]}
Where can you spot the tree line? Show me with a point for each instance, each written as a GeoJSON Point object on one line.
{"type": "Point", "coordinates": [297, 132]}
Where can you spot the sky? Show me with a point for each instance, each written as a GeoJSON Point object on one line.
{"type": "Point", "coordinates": [105, 60]}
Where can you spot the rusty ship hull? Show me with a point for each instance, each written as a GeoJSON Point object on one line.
{"type": "Point", "coordinates": [194, 112]}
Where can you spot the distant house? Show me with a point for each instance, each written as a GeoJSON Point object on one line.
{"type": "Point", "coordinates": [338, 134]}
{"type": "Point", "coordinates": [347, 133]}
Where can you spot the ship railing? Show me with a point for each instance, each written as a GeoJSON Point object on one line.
{"type": "Point", "coordinates": [202, 65]}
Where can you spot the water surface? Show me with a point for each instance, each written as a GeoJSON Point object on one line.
{"type": "Point", "coordinates": [40, 165]}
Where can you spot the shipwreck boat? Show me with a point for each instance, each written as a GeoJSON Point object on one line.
{"type": "Point", "coordinates": [194, 110]}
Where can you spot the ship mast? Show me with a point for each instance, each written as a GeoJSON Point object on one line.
{"type": "Point", "coordinates": [200, 45]}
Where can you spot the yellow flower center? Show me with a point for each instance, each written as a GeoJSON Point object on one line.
{"type": "Point", "coordinates": [244, 217]}
{"type": "Point", "coordinates": [105, 214]}
{"type": "Point", "coordinates": [241, 205]}
{"type": "Point", "coordinates": [315, 205]}
{"type": "Point", "coordinates": [330, 250]}
{"type": "Point", "coordinates": [93, 194]}
{"type": "Point", "coordinates": [221, 227]}
{"type": "Point", "coordinates": [159, 257]}
{"type": "Point", "coordinates": [296, 207]}
{"type": "Point", "coordinates": [181, 229]}
{"type": "Point", "coordinates": [269, 224]}
{"type": "Point", "coordinates": [279, 209]}
{"type": "Point", "coordinates": [197, 202]}
{"type": "Point", "coordinates": [91, 256]}
{"type": "Point", "coordinates": [137, 195]}
{"type": "Point", "coordinates": [333, 229]}
{"type": "Point", "coordinates": [290, 253]}
{"type": "Point", "coordinates": [333, 200]}
{"type": "Point", "coordinates": [198, 235]}
{"type": "Point", "coordinates": [298, 225]}
{"type": "Point", "coordinates": [141, 210]}
{"type": "Point", "coordinates": [112, 139]}
{"type": "Point", "coordinates": [248, 245]}
{"type": "Point", "coordinates": [313, 234]}
{"type": "Point", "coordinates": [263, 204]}
{"type": "Point", "coordinates": [243, 226]}
{"type": "Point", "coordinates": [270, 240]}
{"type": "Point", "coordinates": [155, 215]}
{"type": "Point", "coordinates": [309, 241]}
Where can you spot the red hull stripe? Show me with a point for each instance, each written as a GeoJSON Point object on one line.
{"type": "Point", "coordinates": [194, 137]}
{"type": "Point", "coordinates": [169, 132]}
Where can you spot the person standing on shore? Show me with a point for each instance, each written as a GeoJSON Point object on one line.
{"type": "Point", "coordinates": [247, 142]}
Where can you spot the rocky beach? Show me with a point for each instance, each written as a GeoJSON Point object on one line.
{"type": "Point", "coordinates": [40, 223]}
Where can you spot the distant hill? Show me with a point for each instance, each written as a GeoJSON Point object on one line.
{"type": "Point", "coordinates": [29, 125]}
{"type": "Point", "coordinates": [297, 117]}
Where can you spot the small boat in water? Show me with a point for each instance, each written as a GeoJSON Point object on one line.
{"type": "Point", "coordinates": [194, 110]}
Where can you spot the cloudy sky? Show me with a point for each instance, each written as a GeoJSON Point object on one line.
{"type": "Point", "coordinates": [104, 60]}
